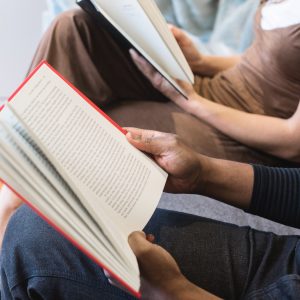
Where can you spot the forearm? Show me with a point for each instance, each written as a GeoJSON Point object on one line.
{"type": "Point", "coordinates": [226, 181]}
{"type": "Point", "coordinates": [272, 135]}
{"type": "Point", "coordinates": [272, 193]}
{"type": "Point", "coordinates": [211, 65]}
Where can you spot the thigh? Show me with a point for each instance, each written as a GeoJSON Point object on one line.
{"type": "Point", "coordinates": [168, 117]}
{"type": "Point", "coordinates": [38, 263]}
{"type": "Point", "coordinates": [92, 59]}
{"type": "Point", "coordinates": [222, 258]}
{"type": "Point", "coordinates": [227, 260]}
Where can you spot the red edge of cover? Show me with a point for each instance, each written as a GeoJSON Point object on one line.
{"type": "Point", "coordinates": [77, 245]}
{"type": "Point", "coordinates": [86, 99]}
{"type": "Point", "coordinates": [44, 62]}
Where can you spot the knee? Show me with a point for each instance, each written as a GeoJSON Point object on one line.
{"type": "Point", "coordinates": [27, 237]}
{"type": "Point", "coordinates": [68, 24]}
{"type": "Point", "coordinates": [68, 18]}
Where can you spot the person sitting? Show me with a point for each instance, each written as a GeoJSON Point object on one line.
{"type": "Point", "coordinates": [182, 256]}
{"type": "Point", "coordinates": [216, 27]}
{"type": "Point", "coordinates": [241, 108]}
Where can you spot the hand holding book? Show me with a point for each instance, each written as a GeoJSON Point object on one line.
{"type": "Point", "coordinates": [194, 58]}
{"type": "Point", "coordinates": [165, 87]}
{"type": "Point", "coordinates": [184, 166]}
{"type": "Point", "coordinates": [161, 277]}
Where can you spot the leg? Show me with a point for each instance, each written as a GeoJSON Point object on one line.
{"type": "Point", "coordinates": [37, 263]}
{"type": "Point", "coordinates": [226, 260]}
{"type": "Point", "coordinates": [89, 57]}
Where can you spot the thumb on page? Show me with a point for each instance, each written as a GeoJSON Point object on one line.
{"type": "Point", "coordinates": [139, 243]}
{"type": "Point", "coordinates": [152, 142]}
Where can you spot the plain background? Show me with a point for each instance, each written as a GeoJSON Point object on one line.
{"type": "Point", "coordinates": [20, 30]}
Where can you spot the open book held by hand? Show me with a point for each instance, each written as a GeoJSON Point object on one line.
{"type": "Point", "coordinates": [139, 24]}
{"type": "Point", "coordinates": [74, 166]}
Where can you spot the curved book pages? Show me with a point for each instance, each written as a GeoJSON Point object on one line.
{"type": "Point", "coordinates": [139, 24]}
{"type": "Point", "coordinates": [74, 166]}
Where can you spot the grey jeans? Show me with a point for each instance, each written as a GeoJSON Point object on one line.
{"type": "Point", "coordinates": [229, 261]}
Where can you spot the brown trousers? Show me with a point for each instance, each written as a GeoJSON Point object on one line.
{"type": "Point", "coordinates": [86, 55]}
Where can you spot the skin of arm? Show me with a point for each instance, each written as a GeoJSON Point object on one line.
{"type": "Point", "coordinates": [272, 135]}
{"type": "Point", "coordinates": [205, 65]}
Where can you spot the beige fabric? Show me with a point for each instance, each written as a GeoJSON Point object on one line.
{"type": "Point", "coordinates": [96, 64]}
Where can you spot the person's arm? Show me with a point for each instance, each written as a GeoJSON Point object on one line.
{"type": "Point", "coordinates": [269, 192]}
{"type": "Point", "coordinates": [193, 173]}
{"type": "Point", "coordinates": [205, 65]}
{"type": "Point", "coordinates": [272, 135]}
{"type": "Point", "coordinates": [273, 193]}
{"type": "Point", "coordinates": [276, 195]}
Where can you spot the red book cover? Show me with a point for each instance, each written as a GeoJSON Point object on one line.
{"type": "Point", "coordinates": [115, 276]}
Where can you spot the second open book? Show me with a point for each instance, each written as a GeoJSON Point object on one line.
{"type": "Point", "coordinates": [144, 28]}
{"type": "Point", "coordinates": [74, 166]}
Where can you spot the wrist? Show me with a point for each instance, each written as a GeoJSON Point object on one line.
{"type": "Point", "coordinates": [205, 174]}
{"type": "Point", "coordinates": [202, 66]}
{"type": "Point", "coordinates": [195, 104]}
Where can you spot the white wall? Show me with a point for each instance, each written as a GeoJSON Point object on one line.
{"type": "Point", "coordinates": [20, 31]}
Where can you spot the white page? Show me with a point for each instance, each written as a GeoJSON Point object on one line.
{"type": "Point", "coordinates": [91, 154]}
{"type": "Point", "coordinates": [19, 160]}
{"type": "Point", "coordinates": [21, 137]}
{"type": "Point", "coordinates": [30, 191]}
{"type": "Point", "coordinates": [159, 22]}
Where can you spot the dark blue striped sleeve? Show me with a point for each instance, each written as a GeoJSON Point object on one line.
{"type": "Point", "coordinates": [276, 195]}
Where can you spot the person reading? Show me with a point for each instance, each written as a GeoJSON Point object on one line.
{"type": "Point", "coordinates": [232, 99]}
{"type": "Point", "coordinates": [182, 256]}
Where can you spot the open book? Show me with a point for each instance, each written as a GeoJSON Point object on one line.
{"type": "Point", "coordinates": [74, 166]}
{"type": "Point", "coordinates": [144, 28]}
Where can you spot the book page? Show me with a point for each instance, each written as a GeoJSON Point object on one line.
{"type": "Point", "coordinates": [130, 19]}
{"type": "Point", "coordinates": [38, 199]}
{"type": "Point", "coordinates": [115, 179]}
{"type": "Point", "coordinates": [159, 22]}
{"type": "Point", "coordinates": [15, 141]}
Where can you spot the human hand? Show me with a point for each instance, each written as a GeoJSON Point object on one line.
{"type": "Point", "coordinates": [165, 87]}
{"type": "Point", "coordinates": [9, 201]}
{"type": "Point", "coordinates": [161, 278]}
{"type": "Point", "coordinates": [184, 166]}
{"type": "Point", "coordinates": [160, 274]}
{"type": "Point", "coordinates": [194, 58]}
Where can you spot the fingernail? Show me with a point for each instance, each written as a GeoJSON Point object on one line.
{"type": "Point", "coordinates": [150, 238]}
{"type": "Point", "coordinates": [132, 52]}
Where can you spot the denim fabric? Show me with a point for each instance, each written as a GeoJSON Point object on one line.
{"type": "Point", "coordinates": [230, 261]}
